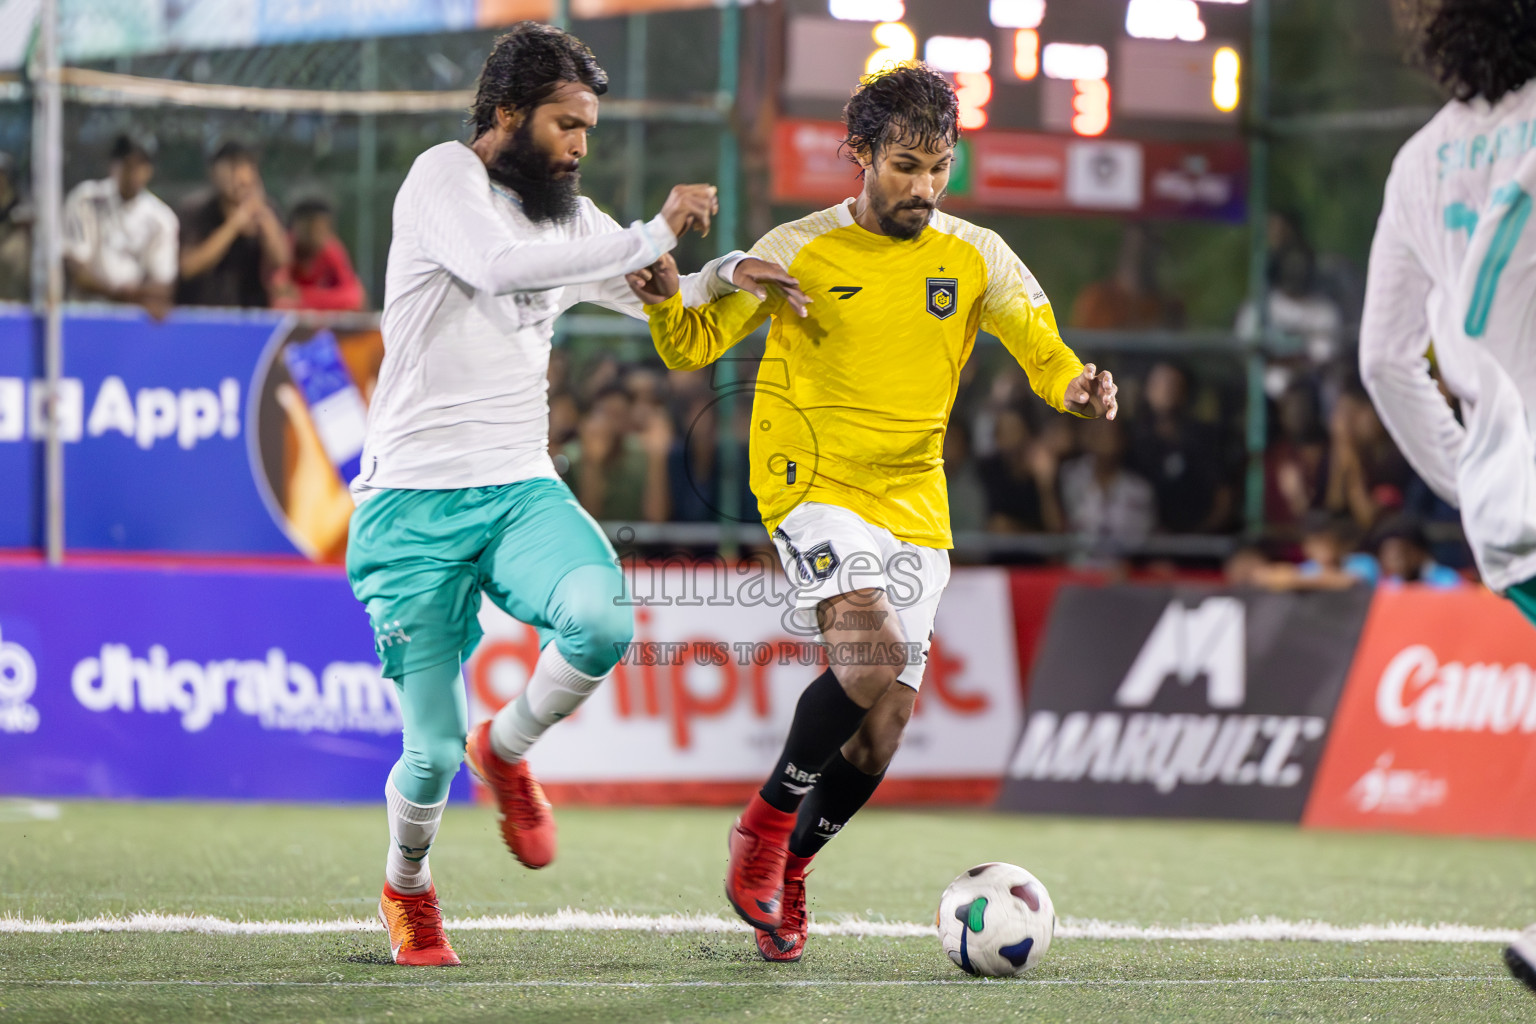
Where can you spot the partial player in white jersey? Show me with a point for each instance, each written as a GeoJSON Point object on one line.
{"type": "Point", "coordinates": [457, 496]}
{"type": "Point", "coordinates": [1453, 264]}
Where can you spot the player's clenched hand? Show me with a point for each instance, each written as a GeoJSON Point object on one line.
{"type": "Point", "coordinates": [656, 283]}
{"type": "Point", "coordinates": [761, 277]}
{"type": "Point", "coordinates": [690, 206]}
{"type": "Point", "coordinates": [1094, 392]}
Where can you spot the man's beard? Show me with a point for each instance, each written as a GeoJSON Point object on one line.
{"type": "Point", "coordinates": [885, 214]}
{"type": "Point", "coordinates": [548, 194]}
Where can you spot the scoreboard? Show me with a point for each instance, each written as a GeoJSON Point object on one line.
{"type": "Point", "coordinates": [1133, 68]}
{"type": "Point", "coordinates": [1125, 106]}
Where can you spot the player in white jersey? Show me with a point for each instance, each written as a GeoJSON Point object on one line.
{"type": "Point", "coordinates": [1453, 264]}
{"type": "Point", "coordinates": [457, 496]}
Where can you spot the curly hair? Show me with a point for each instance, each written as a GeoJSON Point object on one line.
{"type": "Point", "coordinates": [1476, 48]}
{"type": "Point", "coordinates": [526, 66]}
{"type": "Point", "coordinates": [907, 105]}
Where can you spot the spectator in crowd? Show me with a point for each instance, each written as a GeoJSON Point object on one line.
{"type": "Point", "coordinates": [1181, 457]}
{"type": "Point", "coordinates": [1298, 305]}
{"type": "Point", "coordinates": [1019, 477]}
{"type": "Point", "coordinates": [615, 473]}
{"type": "Point", "coordinates": [1132, 299]}
{"type": "Point", "coordinates": [15, 237]}
{"type": "Point", "coordinates": [120, 239]}
{"type": "Point", "coordinates": [1108, 505]}
{"type": "Point", "coordinates": [1328, 563]}
{"type": "Point", "coordinates": [320, 276]}
{"type": "Point", "coordinates": [1006, 387]}
{"type": "Point", "coordinates": [1296, 462]}
{"type": "Point", "coordinates": [1402, 551]}
{"type": "Point", "coordinates": [962, 480]}
{"type": "Point", "coordinates": [559, 373]}
{"type": "Point", "coordinates": [646, 389]}
{"type": "Point", "coordinates": [232, 242]}
{"type": "Point", "coordinates": [597, 376]}
{"type": "Point", "coordinates": [564, 418]}
{"type": "Point", "coordinates": [1245, 567]}
{"type": "Point", "coordinates": [1367, 475]}
{"type": "Point", "coordinates": [695, 468]}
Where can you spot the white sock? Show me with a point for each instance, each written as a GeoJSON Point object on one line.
{"type": "Point", "coordinates": [412, 827]}
{"type": "Point", "coordinates": [555, 690]}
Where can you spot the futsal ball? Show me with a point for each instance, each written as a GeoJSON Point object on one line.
{"type": "Point", "coordinates": [996, 920]}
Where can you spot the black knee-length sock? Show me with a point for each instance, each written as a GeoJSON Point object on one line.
{"type": "Point", "coordinates": [825, 718]}
{"type": "Point", "coordinates": [836, 797]}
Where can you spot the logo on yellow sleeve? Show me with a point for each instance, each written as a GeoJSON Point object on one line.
{"type": "Point", "coordinates": [943, 296]}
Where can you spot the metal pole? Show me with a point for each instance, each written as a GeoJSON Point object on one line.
{"type": "Point", "coordinates": [561, 18]}
{"type": "Point", "coordinates": [48, 192]}
{"type": "Point", "coordinates": [634, 147]}
{"type": "Point", "coordinates": [725, 231]}
{"type": "Point", "coordinates": [1258, 260]}
{"type": "Point", "coordinates": [367, 171]}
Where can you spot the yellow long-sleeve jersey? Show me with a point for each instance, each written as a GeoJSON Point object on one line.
{"type": "Point", "coordinates": [851, 402]}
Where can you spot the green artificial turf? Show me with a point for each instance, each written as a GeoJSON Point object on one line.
{"type": "Point", "coordinates": [255, 862]}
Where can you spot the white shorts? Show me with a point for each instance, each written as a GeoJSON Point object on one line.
{"type": "Point", "coordinates": [827, 550]}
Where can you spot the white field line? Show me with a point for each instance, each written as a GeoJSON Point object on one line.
{"type": "Point", "coordinates": [785, 983]}
{"type": "Point", "coordinates": [1250, 930]}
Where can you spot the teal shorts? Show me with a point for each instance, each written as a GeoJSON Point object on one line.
{"type": "Point", "coordinates": [1524, 596]}
{"type": "Point", "coordinates": [419, 561]}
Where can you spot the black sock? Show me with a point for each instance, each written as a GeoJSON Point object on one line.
{"type": "Point", "coordinates": [836, 797]}
{"type": "Point", "coordinates": [825, 718]}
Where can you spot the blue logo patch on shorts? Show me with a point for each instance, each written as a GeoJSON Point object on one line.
{"type": "Point", "coordinates": [819, 563]}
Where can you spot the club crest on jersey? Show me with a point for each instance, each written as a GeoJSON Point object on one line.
{"type": "Point", "coordinates": [819, 562]}
{"type": "Point", "coordinates": [943, 296]}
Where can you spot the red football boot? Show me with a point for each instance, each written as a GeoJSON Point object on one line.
{"type": "Point", "coordinates": [415, 926]}
{"type": "Point", "coordinates": [527, 822]}
{"type": "Point", "coordinates": [786, 944]}
{"type": "Point", "coordinates": [754, 879]}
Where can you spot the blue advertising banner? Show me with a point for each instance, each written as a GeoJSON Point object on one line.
{"type": "Point", "coordinates": [21, 465]}
{"type": "Point", "coordinates": [190, 435]}
{"type": "Point", "coordinates": [135, 683]}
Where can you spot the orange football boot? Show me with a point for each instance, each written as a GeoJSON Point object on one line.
{"type": "Point", "coordinates": [415, 925]}
{"type": "Point", "coordinates": [527, 821]}
{"type": "Point", "coordinates": [786, 943]}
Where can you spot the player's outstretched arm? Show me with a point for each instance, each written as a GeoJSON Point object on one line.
{"type": "Point", "coordinates": [690, 338]}
{"type": "Point", "coordinates": [1014, 308]}
{"type": "Point", "coordinates": [448, 207]}
{"type": "Point", "coordinates": [715, 280]}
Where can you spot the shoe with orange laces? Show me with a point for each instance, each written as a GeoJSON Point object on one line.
{"type": "Point", "coordinates": [527, 821]}
{"type": "Point", "coordinates": [754, 880]}
{"type": "Point", "coordinates": [786, 944]}
{"type": "Point", "coordinates": [415, 926]}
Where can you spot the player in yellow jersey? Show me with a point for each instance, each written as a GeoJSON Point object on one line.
{"type": "Point", "coordinates": [851, 404]}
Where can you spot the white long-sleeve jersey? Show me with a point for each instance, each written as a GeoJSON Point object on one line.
{"type": "Point", "coordinates": [1453, 264]}
{"type": "Point", "coordinates": [470, 299]}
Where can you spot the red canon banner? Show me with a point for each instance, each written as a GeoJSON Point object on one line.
{"type": "Point", "coordinates": [1436, 731]}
